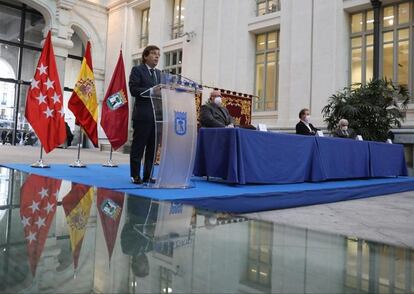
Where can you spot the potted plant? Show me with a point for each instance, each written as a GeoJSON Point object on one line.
{"type": "Point", "coordinates": [371, 109]}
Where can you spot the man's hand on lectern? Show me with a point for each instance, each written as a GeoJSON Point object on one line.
{"type": "Point", "coordinates": [156, 91]}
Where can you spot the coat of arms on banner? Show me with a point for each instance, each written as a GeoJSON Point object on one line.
{"type": "Point", "coordinates": [116, 100]}
{"type": "Point", "coordinates": [180, 124]}
{"type": "Point", "coordinates": [110, 208]}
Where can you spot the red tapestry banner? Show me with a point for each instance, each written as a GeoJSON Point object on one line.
{"type": "Point", "coordinates": [239, 106]}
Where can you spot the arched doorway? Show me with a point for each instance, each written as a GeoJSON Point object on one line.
{"type": "Point", "coordinates": [20, 39]}
{"type": "Point", "coordinates": [7, 92]}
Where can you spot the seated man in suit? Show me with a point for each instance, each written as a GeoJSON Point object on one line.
{"type": "Point", "coordinates": [343, 131]}
{"type": "Point", "coordinates": [304, 127]}
{"type": "Point", "coordinates": [213, 114]}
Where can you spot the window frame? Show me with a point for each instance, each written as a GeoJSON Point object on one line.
{"type": "Point", "coordinates": [265, 52]}
{"type": "Point", "coordinates": [177, 29]}
{"type": "Point", "coordinates": [267, 10]}
{"type": "Point", "coordinates": [169, 65]}
{"type": "Point", "coordinates": [144, 36]}
{"type": "Point", "coordinates": [394, 28]}
{"type": "Point", "coordinates": [363, 34]}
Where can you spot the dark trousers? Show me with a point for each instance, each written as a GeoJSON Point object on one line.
{"type": "Point", "coordinates": [143, 139]}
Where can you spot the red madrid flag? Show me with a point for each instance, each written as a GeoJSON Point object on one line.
{"type": "Point", "coordinates": [114, 117]}
{"type": "Point", "coordinates": [110, 204]}
{"type": "Point", "coordinates": [44, 102]}
{"type": "Point", "coordinates": [38, 200]}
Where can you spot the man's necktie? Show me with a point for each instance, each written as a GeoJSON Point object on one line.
{"type": "Point", "coordinates": [153, 76]}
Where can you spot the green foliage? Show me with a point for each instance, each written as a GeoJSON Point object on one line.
{"type": "Point", "coordinates": [371, 109]}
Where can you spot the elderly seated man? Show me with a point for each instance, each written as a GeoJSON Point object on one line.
{"type": "Point", "coordinates": [343, 131]}
{"type": "Point", "coordinates": [214, 115]}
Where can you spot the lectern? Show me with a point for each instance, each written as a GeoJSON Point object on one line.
{"type": "Point", "coordinates": [175, 131]}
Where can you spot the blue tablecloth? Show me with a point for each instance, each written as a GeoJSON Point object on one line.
{"type": "Point", "coordinates": [245, 156]}
{"type": "Point", "coordinates": [387, 160]}
{"type": "Point", "coordinates": [343, 158]}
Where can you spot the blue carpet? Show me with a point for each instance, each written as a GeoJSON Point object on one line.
{"type": "Point", "coordinates": [230, 198]}
{"type": "Point", "coordinates": [92, 174]}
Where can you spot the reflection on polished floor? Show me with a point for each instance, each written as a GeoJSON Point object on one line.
{"type": "Point", "coordinates": [62, 237]}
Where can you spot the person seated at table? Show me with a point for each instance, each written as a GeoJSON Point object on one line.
{"type": "Point", "coordinates": [343, 131]}
{"type": "Point", "coordinates": [304, 127]}
{"type": "Point", "coordinates": [214, 115]}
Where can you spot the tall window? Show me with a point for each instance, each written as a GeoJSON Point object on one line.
{"type": "Point", "coordinates": [173, 60]}
{"type": "Point", "coordinates": [267, 6]}
{"type": "Point", "coordinates": [396, 53]}
{"type": "Point", "coordinates": [393, 271]}
{"type": "Point", "coordinates": [19, 52]}
{"type": "Point", "coordinates": [143, 39]}
{"type": "Point", "coordinates": [397, 23]}
{"type": "Point", "coordinates": [267, 68]}
{"type": "Point", "coordinates": [362, 29]}
{"type": "Point", "coordinates": [178, 19]}
{"type": "Point", "coordinates": [259, 262]}
{"type": "Point", "coordinates": [165, 280]}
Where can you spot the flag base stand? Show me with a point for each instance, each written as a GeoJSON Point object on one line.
{"type": "Point", "coordinates": [109, 163]}
{"type": "Point", "coordinates": [77, 163]}
{"type": "Point", "coordinates": [40, 164]}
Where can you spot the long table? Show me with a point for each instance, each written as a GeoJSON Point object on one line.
{"type": "Point", "coordinates": [246, 156]}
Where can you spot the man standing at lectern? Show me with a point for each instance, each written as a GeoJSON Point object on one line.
{"type": "Point", "coordinates": [142, 78]}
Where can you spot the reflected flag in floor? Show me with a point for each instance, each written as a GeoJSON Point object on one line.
{"type": "Point", "coordinates": [114, 118]}
{"type": "Point", "coordinates": [44, 103]}
{"type": "Point", "coordinates": [77, 205]}
{"type": "Point", "coordinates": [38, 199]}
{"type": "Point", "coordinates": [83, 102]}
{"type": "Point", "coordinates": [110, 204]}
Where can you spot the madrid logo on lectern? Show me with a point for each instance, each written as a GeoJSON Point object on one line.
{"type": "Point", "coordinates": [180, 123]}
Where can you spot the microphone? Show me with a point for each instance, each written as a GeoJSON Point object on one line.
{"type": "Point", "coordinates": [170, 77]}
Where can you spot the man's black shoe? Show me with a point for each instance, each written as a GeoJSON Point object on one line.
{"type": "Point", "coordinates": [136, 180]}
{"type": "Point", "coordinates": [152, 180]}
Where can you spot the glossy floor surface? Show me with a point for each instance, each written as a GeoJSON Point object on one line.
{"type": "Point", "coordinates": [62, 237]}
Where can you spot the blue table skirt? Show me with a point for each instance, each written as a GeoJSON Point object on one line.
{"type": "Point", "coordinates": [245, 156]}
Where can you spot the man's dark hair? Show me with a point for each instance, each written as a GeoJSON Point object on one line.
{"type": "Point", "coordinates": [147, 52]}
{"type": "Point", "coordinates": [302, 112]}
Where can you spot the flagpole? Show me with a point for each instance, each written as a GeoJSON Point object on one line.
{"type": "Point", "coordinates": [110, 163]}
{"type": "Point", "coordinates": [40, 163]}
{"type": "Point", "coordinates": [78, 162]}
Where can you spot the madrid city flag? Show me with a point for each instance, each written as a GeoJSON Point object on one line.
{"type": "Point", "coordinates": [114, 118]}
{"type": "Point", "coordinates": [110, 204]}
{"type": "Point", "coordinates": [44, 105]}
{"type": "Point", "coordinates": [83, 102]}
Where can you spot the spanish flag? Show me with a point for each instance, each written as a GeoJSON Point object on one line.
{"type": "Point", "coordinates": [77, 206]}
{"type": "Point", "coordinates": [83, 102]}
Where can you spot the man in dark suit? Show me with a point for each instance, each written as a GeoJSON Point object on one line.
{"type": "Point", "coordinates": [304, 127]}
{"type": "Point", "coordinates": [213, 114]}
{"type": "Point", "coordinates": [137, 235]}
{"type": "Point", "coordinates": [343, 131]}
{"type": "Point", "coordinates": [142, 78]}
